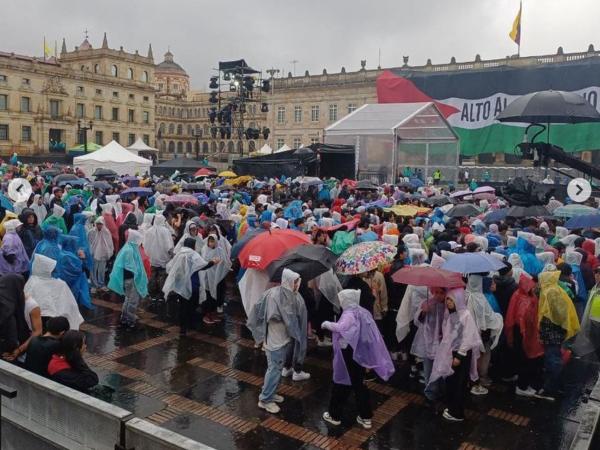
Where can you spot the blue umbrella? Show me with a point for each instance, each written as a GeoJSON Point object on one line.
{"type": "Point", "coordinates": [496, 215]}
{"type": "Point", "coordinates": [472, 263]}
{"type": "Point", "coordinates": [588, 221]}
{"type": "Point", "coordinates": [6, 203]}
{"type": "Point", "coordinates": [141, 191]}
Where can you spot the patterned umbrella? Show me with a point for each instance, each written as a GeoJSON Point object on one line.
{"type": "Point", "coordinates": [182, 199]}
{"type": "Point", "coordinates": [573, 210]}
{"type": "Point", "coordinates": [364, 257]}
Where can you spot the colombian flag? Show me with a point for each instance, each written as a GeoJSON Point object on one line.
{"type": "Point", "coordinates": [515, 33]}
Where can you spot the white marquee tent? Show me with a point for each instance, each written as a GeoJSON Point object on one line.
{"type": "Point", "coordinates": [112, 156]}
{"type": "Point", "coordinates": [283, 148]}
{"type": "Point", "coordinates": [140, 146]}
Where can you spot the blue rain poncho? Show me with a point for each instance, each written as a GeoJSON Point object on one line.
{"type": "Point", "coordinates": [49, 247]}
{"type": "Point", "coordinates": [574, 259]}
{"type": "Point", "coordinates": [78, 230]}
{"type": "Point", "coordinates": [129, 258]}
{"type": "Point", "coordinates": [72, 271]}
{"type": "Point", "coordinates": [526, 251]}
{"type": "Point", "coordinates": [293, 211]}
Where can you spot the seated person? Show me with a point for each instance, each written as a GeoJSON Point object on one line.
{"type": "Point", "coordinates": [41, 348]}
{"type": "Point", "coordinates": [67, 365]}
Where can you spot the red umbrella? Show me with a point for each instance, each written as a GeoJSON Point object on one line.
{"type": "Point", "coordinates": [267, 247]}
{"type": "Point", "coordinates": [204, 172]}
{"type": "Point", "coordinates": [182, 199]}
{"type": "Point", "coordinates": [428, 276]}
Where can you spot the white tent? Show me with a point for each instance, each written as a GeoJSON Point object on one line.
{"type": "Point", "coordinates": [284, 148]}
{"type": "Point", "coordinates": [112, 156]}
{"type": "Point", "coordinates": [265, 150]}
{"type": "Point", "coordinates": [140, 146]}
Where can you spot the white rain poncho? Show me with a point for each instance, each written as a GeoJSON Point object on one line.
{"type": "Point", "coordinates": [518, 268]}
{"type": "Point", "coordinates": [328, 284]}
{"type": "Point", "coordinates": [52, 294]}
{"type": "Point", "coordinates": [252, 285]}
{"type": "Point", "coordinates": [180, 270]}
{"type": "Point", "coordinates": [146, 222]}
{"type": "Point", "coordinates": [211, 277]}
{"type": "Point", "coordinates": [158, 242]}
{"type": "Point", "coordinates": [417, 256]}
{"type": "Point", "coordinates": [40, 210]}
{"type": "Point", "coordinates": [483, 314]}
{"type": "Point", "coordinates": [561, 232]}
{"type": "Point", "coordinates": [414, 297]}
{"type": "Point", "coordinates": [114, 201]}
{"type": "Point", "coordinates": [137, 212]}
{"type": "Point", "coordinates": [187, 234]}
{"type": "Point", "coordinates": [101, 244]}
{"type": "Point", "coordinates": [546, 257]}
{"type": "Point", "coordinates": [412, 241]}
{"type": "Point", "coordinates": [223, 242]}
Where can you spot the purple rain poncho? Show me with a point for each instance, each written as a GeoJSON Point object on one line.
{"type": "Point", "coordinates": [429, 329]}
{"type": "Point", "coordinates": [357, 328]}
{"type": "Point", "coordinates": [459, 333]}
{"type": "Point", "coordinates": [12, 245]}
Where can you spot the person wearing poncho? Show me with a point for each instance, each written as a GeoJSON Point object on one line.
{"type": "Point", "coordinates": [357, 346]}
{"type": "Point", "coordinates": [30, 232]}
{"type": "Point", "coordinates": [456, 357]}
{"type": "Point", "coordinates": [213, 279]}
{"type": "Point", "coordinates": [190, 231]}
{"type": "Point", "coordinates": [56, 219]}
{"type": "Point", "coordinates": [558, 322]}
{"type": "Point", "coordinates": [79, 231]}
{"type": "Point", "coordinates": [158, 245]}
{"type": "Point", "coordinates": [13, 257]}
{"type": "Point", "coordinates": [102, 249]}
{"type": "Point", "coordinates": [573, 259]}
{"type": "Point", "coordinates": [49, 247]}
{"type": "Point", "coordinates": [279, 320]}
{"type": "Point", "coordinates": [72, 270]}
{"type": "Point", "coordinates": [526, 251]}
{"type": "Point", "coordinates": [52, 294]}
{"type": "Point", "coordinates": [588, 339]}
{"type": "Point", "coordinates": [110, 223]}
{"type": "Point", "coordinates": [39, 208]}
{"type": "Point", "coordinates": [128, 278]}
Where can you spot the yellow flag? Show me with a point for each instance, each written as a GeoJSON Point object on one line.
{"type": "Point", "coordinates": [515, 33]}
{"type": "Point", "coordinates": [47, 50]}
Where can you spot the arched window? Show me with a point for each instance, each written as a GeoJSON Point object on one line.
{"type": "Point", "coordinates": [130, 74]}
{"type": "Point", "coordinates": [205, 147]}
{"type": "Point", "coordinates": [221, 146]}
{"type": "Point", "coordinates": [114, 71]}
{"type": "Point", "coordinates": [190, 130]}
{"type": "Point", "coordinates": [230, 147]}
{"type": "Point", "coordinates": [213, 147]}
{"type": "Point", "coordinates": [171, 147]}
{"type": "Point", "coordinates": [161, 128]}
{"type": "Point", "coordinates": [82, 68]}
{"type": "Point", "coordinates": [179, 129]}
{"type": "Point", "coordinates": [206, 130]}
{"type": "Point", "coordinates": [96, 68]}
{"type": "Point", "coordinates": [188, 147]}
{"type": "Point", "coordinates": [180, 147]}
{"type": "Point", "coordinates": [240, 147]}
{"type": "Point", "coordinates": [171, 128]}
{"type": "Point", "coordinates": [144, 76]}
{"type": "Point", "coordinates": [163, 146]}
{"type": "Point", "coordinates": [251, 146]}
{"type": "Point", "coordinates": [196, 146]}
{"type": "Point", "coordinates": [198, 131]}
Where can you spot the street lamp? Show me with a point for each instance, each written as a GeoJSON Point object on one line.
{"type": "Point", "coordinates": [197, 136]}
{"type": "Point", "coordinates": [85, 130]}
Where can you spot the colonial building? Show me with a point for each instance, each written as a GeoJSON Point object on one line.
{"type": "Point", "coordinates": [43, 101]}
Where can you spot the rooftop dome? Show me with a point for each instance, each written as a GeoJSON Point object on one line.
{"type": "Point", "coordinates": [169, 66]}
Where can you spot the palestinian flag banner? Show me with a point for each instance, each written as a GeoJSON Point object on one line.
{"type": "Point", "coordinates": [471, 99]}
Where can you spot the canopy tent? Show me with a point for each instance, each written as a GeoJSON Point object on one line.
{"type": "Point", "coordinates": [183, 165]}
{"type": "Point", "coordinates": [283, 148]}
{"type": "Point", "coordinates": [264, 150]}
{"type": "Point", "coordinates": [140, 146]}
{"type": "Point", "coordinates": [112, 156]}
{"type": "Point", "coordinates": [388, 137]}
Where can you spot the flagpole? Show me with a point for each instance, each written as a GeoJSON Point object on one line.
{"type": "Point", "coordinates": [44, 48]}
{"type": "Point", "coordinates": [520, 28]}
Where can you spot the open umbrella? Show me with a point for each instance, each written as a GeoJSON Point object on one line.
{"type": "Point", "coordinates": [496, 215]}
{"type": "Point", "coordinates": [407, 210]}
{"type": "Point", "coordinates": [428, 276]}
{"type": "Point", "coordinates": [438, 200]}
{"type": "Point", "coordinates": [204, 172]}
{"type": "Point", "coordinates": [464, 210]}
{"type": "Point", "coordinates": [165, 187]}
{"type": "Point", "coordinates": [365, 257]}
{"type": "Point", "coordinates": [141, 191]}
{"type": "Point", "coordinates": [472, 263]}
{"type": "Point", "coordinates": [73, 182]}
{"type": "Point", "coordinates": [309, 261]}
{"type": "Point", "coordinates": [65, 177]}
{"type": "Point", "coordinates": [105, 173]}
{"type": "Point", "coordinates": [50, 172]}
{"type": "Point", "coordinates": [484, 190]}
{"type": "Point", "coordinates": [267, 247]}
{"type": "Point", "coordinates": [182, 199]}
{"type": "Point", "coordinates": [527, 211]}
{"type": "Point", "coordinates": [587, 221]}
{"type": "Point", "coordinates": [573, 210]}
{"type": "Point", "coordinates": [307, 181]}
{"type": "Point", "coordinates": [194, 187]}
{"type": "Point", "coordinates": [304, 151]}
{"type": "Point", "coordinates": [102, 185]}
{"type": "Point", "coordinates": [227, 174]}
{"type": "Point", "coordinates": [459, 194]}
{"type": "Point", "coordinates": [240, 244]}
{"type": "Point", "coordinates": [366, 185]}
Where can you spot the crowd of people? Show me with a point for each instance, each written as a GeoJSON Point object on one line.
{"type": "Point", "coordinates": [178, 242]}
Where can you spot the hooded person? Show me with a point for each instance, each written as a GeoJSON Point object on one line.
{"type": "Point", "coordinates": [129, 278]}
{"type": "Point", "coordinates": [13, 257]}
{"type": "Point", "coordinates": [279, 319]}
{"type": "Point", "coordinates": [588, 338]}
{"type": "Point", "coordinates": [559, 234]}
{"type": "Point", "coordinates": [526, 250]}
{"type": "Point", "coordinates": [522, 332]}
{"type": "Point", "coordinates": [357, 346]}
{"type": "Point", "coordinates": [213, 279]}
{"type": "Point", "coordinates": [573, 259]}
{"type": "Point", "coordinates": [102, 249]}
{"type": "Point", "coordinates": [110, 223]}
{"type": "Point", "coordinates": [589, 247]}
{"type": "Point", "coordinates": [49, 247]}
{"type": "Point", "coordinates": [191, 231]}
{"type": "Point", "coordinates": [128, 223]}
{"type": "Point", "coordinates": [79, 231]}
{"type": "Point", "coordinates": [456, 357]}
{"type": "Point", "coordinates": [158, 245]}
{"type": "Point", "coordinates": [56, 219]}
{"type": "Point", "coordinates": [30, 232]}
{"type": "Point", "coordinates": [52, 294]}
{"type": "Point", "coordinates": [518, 268]}
{"type": "Point", "coordinates": [39, 209]}
{"type": "Point", "coordinates": [72, 270]}
{"type": "Point", "coordinates": [146, 222]}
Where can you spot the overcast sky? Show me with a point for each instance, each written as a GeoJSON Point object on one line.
{"type": "Point", "coordinates": [317, 33]}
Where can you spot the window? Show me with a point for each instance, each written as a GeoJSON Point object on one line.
{"type": "Point", "coordinates": [179, 129]}
{"type": "Point", "coordinates": [25, 104]}
{"type": "Point", "coordinates": [54, 108]}
{"type": "Point", "coordinates": [3, 101]}
{"type": "Point", "coordinates": [188, 147]}
{"type": "Point", "coordinates": [145, 76]}
{"type": "Point", "coordinates": [314, 140]}
{"type": "Point", "coordinates": [25, 134]}
{"type": "Point", "coordinates": [160, 86]}
{"type": "Point", "coordinates": [3, 78]}
{"type": "Point", "coordinates": [297, 142]}
{"type": "Point", "coordinates": [115, 94]}
{"type": "Point", "coordinates": [180, 147]}
{"type": "Point", "coordinates": [114, 71]}
{"type": "Point", "coordinates": [130, 74]}
{"type": "Point", "coordinates": [146, 117]}
{"type": "Point", "coordinates": [281, 114]}
{"type": "Point", "coordinates": [351, 107]}
{"type": "Point", "coordinates": [115, 114]}
{"type": "Point", "coordinates": [96, 68]}
{"type": "Point", "coordinates": [116, 137]}
{"type": "Point", "coordinates": [80, 110]}
{"type": "Point", "coordinates": [3, 132]}
{"type": "Point", "coordinates": [146, 98]}
{"type": "Point", "coordinates": [99, 92]}
{"type": "Point", "coordinates": [80, 90]}
{"type": "Point", "coordinates": [314, 113]}
{"type": "Point", "coordinates": [131, 138]}
{"type": "Point", "coordinates": [171, 147]}
{"type": "Point", "coordinates": [98, 112]}
{"type": "Point", "coordinates": [131, 97]}
{"type": "Point", "coordinates": [280, 143]}
{"type": "Point", "coordinates": [146, 139]}
{"type": "Point", "coordinates": [175, 87]}
{"type": "Point", "coordinates": [297, 114]}
{"type": "Point", "coordinates": [332, 113]}
{"type": "Point", "coordinates": [131, 115]}
{"type": "Point", "coordinates": [99, 138]}
{"type": "Point", "coordinates": [171, 128]}
{"type": "Point", "coordinates": [26, 82]}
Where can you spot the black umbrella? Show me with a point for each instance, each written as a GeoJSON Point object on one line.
{"type": "Point", "coordinates": [528, 211]}
{"type": "Point", "coordinates": [366, 185]}
{"type": "Point", "coordinates": [102, 185]}
{"type": "Point", "coordinates": [309, 261]}
{"type": "Point", "coordinates": [303, 151]}
{"type": "Point", "coordinates": [50, 172]}
{"type": "Point", "coordinates": [550, 107]}
{"type": "Point", "coordinates": [194, 187]}
{"type": "Point", "coordinates": [105, 173]}
{"type": "Point", "coordinates": [65, 177]}
{"type": "Point", "coordinates": [438, 200]}
{"type": "Point", "coordinates": [463, 210]}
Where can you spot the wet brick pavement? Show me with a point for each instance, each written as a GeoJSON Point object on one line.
{"type": "Point", "coordinates": [205, 386]}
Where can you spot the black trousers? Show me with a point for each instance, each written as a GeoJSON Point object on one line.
{"type": "Point", "coordinates": [324, 313]}
{"type": "Point", "coordinates": [529, 371]}
{"type": "Point", "coordinates": [341, 392]}
{"type": "Point", "coordinates": [457, 387]}
{"type": "Point", "coordinates": [186, 311]}
{"type": "Point", "coordinates": [211, 304]}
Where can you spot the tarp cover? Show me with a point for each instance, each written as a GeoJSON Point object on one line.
{"type": "Point", "coordinates": [184, 165]}
{"type": "Point", "coordinates": [276, 165]}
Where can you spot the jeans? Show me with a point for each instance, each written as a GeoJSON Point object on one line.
{"type": "Point", "coordinates": [431, 389]}
{"type": "Point", "coordinates": [98, 274]}
{"type": "Point", "coordinates": [275, 361]}
{"type": "Point", "coordinates": [552, 367]}
{"type": "Point", "coordinates": [130, 305]}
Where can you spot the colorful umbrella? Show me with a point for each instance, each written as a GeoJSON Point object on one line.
{"type": "Point", "coordinates": [407, 210]}
{"type": "Point", "coordinates": [587, 221]}
{"type": "Point", "coordinates": [428, 276]}
{"type": "Point", "coordinates": [458, 194]}
{"type": "Point", "coordinates": [267, 247]}
{"type": "Point", "coordinates": [484, 190]}
{"type": "Point", "coordinates": [227, 174]}
{"type": "Point", "coordinates": [365, 257]}
{"type": "Point", "coordinates": [182, 199]}
{"type": "Point", "coordinates": [204, 172]}
{"type": "Point", "coordinates": [472, 263]}
{"type": "Point", "coordinates": [573, 210]}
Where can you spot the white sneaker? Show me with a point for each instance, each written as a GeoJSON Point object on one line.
{"type": "Point", "coordinates": [300, 376]}
{"type": "Point", "coordinates": [220, 309]}
{"type": "Point", "coordinates": [529, 392]}
{"type": "Point", "coordinates": [327, 418]}
{"type": "Point", "coordinates": [270, 407]}
{"type": "Point", "coordinates": [365, 423]}
{"type": "Point", "coordinates": [394, 356]}
{"type": "Point", "coordinates": [326, 342]}
{"type": "Point", "coordinates": [446, 415]}
{"type": "Point", "coordinates": [277, 398]}
{"type": "Point", "coordinates": [479, 390]}
{"type": "Point", "coordinates": [286, 372]}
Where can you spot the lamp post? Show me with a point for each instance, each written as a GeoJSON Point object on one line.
{"type": "Point", "coordinates": [85, 130]}
{"type": "Point", "coordinates": [196, 135]}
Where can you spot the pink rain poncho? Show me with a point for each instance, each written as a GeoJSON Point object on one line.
{"type": "Point", "coordinates": [357, 329]}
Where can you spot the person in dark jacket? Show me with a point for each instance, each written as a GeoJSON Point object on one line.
{"type": "Point", "coordinates": [41, 348]}
{"type": "Point", "coordinates": [130, 223]}
{"type": "Point", "coordinates": [67, 365]}
{"type": "Point", "coordinates": [505, 287]}
{"type": "Point", "coordinates": [367, 299]}
{"type": "Point", "coordinates": [30, 232]}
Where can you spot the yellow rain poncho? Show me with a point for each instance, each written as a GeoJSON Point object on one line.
{"type": "Point", "coordinates": [555, 304]}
